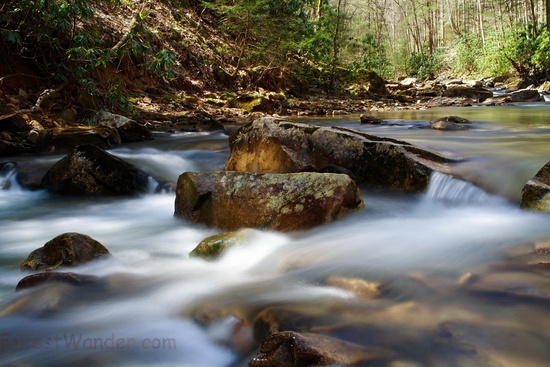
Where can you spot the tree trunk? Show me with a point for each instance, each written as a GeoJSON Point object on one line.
{"type": "Point", "coordinates": [335, 46]}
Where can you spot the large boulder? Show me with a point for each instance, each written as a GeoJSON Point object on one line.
{"type": "Point", "coordinates": [89, 170]}
{"type": "Point", "coordinates": [284, 202]}
{"type": "Point", "coordinates": [67, 249]}
{"type": "Point", "coordinates": [271, 145]}
{"type": "Point", "coordinates": [536, 193]}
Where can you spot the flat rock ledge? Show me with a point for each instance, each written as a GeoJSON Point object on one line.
{"type": "Point", "coordinates": [272, 145]}
{"type": "Point", "coordinates": [282, 202]}
{"type": "Point", "coordinates": [536, 193]}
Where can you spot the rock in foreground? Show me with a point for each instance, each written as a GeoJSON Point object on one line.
{"type": "Point", "coordinates": [67, 249]}
{"type": "Point", "coordinates": [277, 146]}
{"type": "Point", "coordinates": [284, 202]}
{"type": "Point", "coordinates": [89, 170]}
{"type": "Point", "coordinates": [288, 349]}
{"type": "Point", "coordinates": [536, 193]}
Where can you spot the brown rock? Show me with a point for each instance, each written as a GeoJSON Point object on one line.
{"type": "Point", "coordinates": [89, 170]}
{"type": "Point", "coordinates": [290, 349]}
{"type": "Point", "coordinates": [536, 193]}
{"type": "Point", "coordinates": [284, 202]}
{"type": "Point", "coordinates": [278, 146]}
{"type": "Point", "coordinates": [53, 277]}
{"type": "Point", "coordinates": [451, 123]}
{"type": "Point", "coordinates": [67, 249]}
{"type": "Point", "coordinates": [478, 94]}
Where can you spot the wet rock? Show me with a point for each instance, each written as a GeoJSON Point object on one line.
{"type": "Point", "coordinates": [365, 119]}
{"type": "Point", "coordinates": [359, 287]}
{"type": "Point", "coordinates": [525, 95]}
{"type": "Point", "coordinates": [510, 280]}
{"type": "Point", "coordinates": [128, 129]}
{"type": "Point", "coordinates": [284, 202]}
{"type": "Point", "coordinates": [89, 170]}
{"type": "Point", "coordinates": [451, 123]}
{"type": "Point", "coordinates": [536, 193]}
{"type": "Point", "coordinates": [64, 138]}
{"type": "Point", "coordinates": [478, 94]}
{"type": "Point", "coordinates": [214, 246]}
{"type": "Point", "coordinates": [290, 349]}
{"type": "Point", "coordinates": [54, 277]}
{"type": "Point", "coordinates": [67, 249]}
{"type": "Point", "coordinates": [277, 146]}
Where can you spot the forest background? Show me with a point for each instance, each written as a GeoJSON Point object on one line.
{"type": "Point", "coordinates": [113, 51]}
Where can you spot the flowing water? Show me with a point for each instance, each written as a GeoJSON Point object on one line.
{"type": "Point", "coordinates": [143, 312]}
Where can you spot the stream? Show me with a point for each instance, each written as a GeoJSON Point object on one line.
{"type": "Point", "coordinates": [417, 245]}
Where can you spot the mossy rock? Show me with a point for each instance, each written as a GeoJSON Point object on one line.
{"type": "Point", "coordinates": [213, 247]}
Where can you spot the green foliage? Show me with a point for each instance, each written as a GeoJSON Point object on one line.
{"type": "Point", "coordinates": [467, 54]}
{"type": "Point", "coordinates": [424, 65]}
{"type": "Point", "coordinates": [162, 64]}
{"type": "Point", "coordinates": [529, 51]}
{"type": "Point", "coordinates": [370, 55]}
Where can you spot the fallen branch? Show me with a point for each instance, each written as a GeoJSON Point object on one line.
{"type": "Point", "coordinates": [41, 98]}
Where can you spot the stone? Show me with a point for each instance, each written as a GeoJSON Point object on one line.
{"type": "Point", "coordinates": [214, 246]}
{"type": "Point", "coordinates": [450, 123]}
{"type": "Point", "coordinates": [89, 170]}
{"type": "Point", "coordinates": [359, 287]}
{"type": "Point", "coordinates": [290, 349]}
{"type": "Point", "coordinates": [478, 94]}
{"type": "Point", "coordinates": [283, 202]}
{"type": "Point", "coordinates": [375, 84]}
{"type": "Point", "coordinates": [525, 95]}
{"type": "Point", "coordinates": [54, 277]}
{"type": "Point", "coordinates": [65, 138]}
{"type": "Point", "coordinates": [128, 129]}
{"type": "Point", "coordinates": [536, 192]}
{"type": "Point", "coordinates": [271, 145]}
{"type": "Point", "coordinates": [365, 119]}
{"type": "Point", "coordinates": [8, 148]}
{"type": "Point", "coordinates": [67, 249]}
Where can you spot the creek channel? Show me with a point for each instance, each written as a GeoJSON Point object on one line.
{"type": "Point", "coordinates": [417, 246]}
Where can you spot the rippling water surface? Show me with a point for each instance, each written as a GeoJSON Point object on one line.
{"type": "Point", "coordinates": [143, 313]}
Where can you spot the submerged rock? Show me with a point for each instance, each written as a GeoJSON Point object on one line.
{"type": "Point", "coordinates": [370, 120]}
{"type": "Point", "coordinates": [54, 277]}
{"type": "Point", "coordinates": [451, 123]}
{"type": "Point", "coordinates": [67, 249]}
{"type": "Point", "coordinates": [284, 202]}
{"type": "Point", "coordinates": [89, 170]}
{"type": "Point", "coordinates": [536, 193]}
{"type": "Point", "coordinates": [277, 146]}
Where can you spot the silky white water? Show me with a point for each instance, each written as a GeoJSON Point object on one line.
{"type": "Point", "coordinates": [143, 314]}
